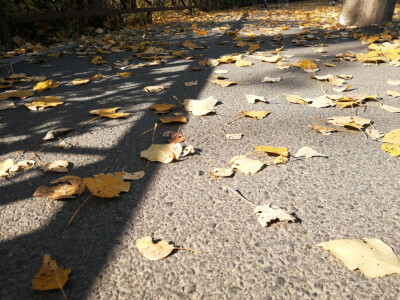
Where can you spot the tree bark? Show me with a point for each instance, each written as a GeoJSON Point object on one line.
{"type": "Point", "coordinates": [366, 12]}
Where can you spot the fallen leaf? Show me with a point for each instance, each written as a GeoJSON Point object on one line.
{"type": "Point", "coordinates": [271, 59]}
{"type": "Point", "coordinates": [224, 83]}
{"type": "Point", "coordinates": [43, 102]}
{"type": "Point", "coordinates": [394, 94]}
{"type": "Point", "coordinates": [221, 172]}
{"type": "Point", "coordinates": [245, 165]}
{"type": "Point", "coordinates": [154, 251]}
{"type": "Point", "coordinates": [354, 122]}
{"type": "Point", "coordinates": [306, 64]}
{"type": "Point", "coordinates": [63, 144]}
{"type": "Point", "coordinates": [154, 88]}
{"type": "Point", "coordinates": [164, 153]}
{"type": "Point", "coordinates": [50, 276]}
{"type": "Point", "coordinates": [176, 119]}
{"type": "Point", "coordinates": [200, 107]}
{"type": "Point", "coordinates": [329, 65]}
{"type": "Point", "coordinates": [7, 105]}
{"type": "Point", "coordinates": [268, 214]}
{"type": "Point", "coordinates": [98, 60]}
{"type": "Point", "coordinates": [174, 137]}
{"type": "Point", "coordinates": [22, 165]}
{"type": "Point", "coordinates": [389, 108]}
{"type": "Point", "coordinates": [255, 114]}
{"type": "Point", "coordinates": [393, 82]}
{"type": "Point", "coordinates": [307, 152]}
{"type": "Point", "coordinates": [320, 102]}
{"type": "Point", "coordinates": [391, 142]}
{"type": "Point", "coordinates": [60, 166]}
{"type": "Point", "coordinates": [162, 108]}
{"type": "Point", "coordinates": [243, 63]}
{"type": "Point", "coordinates": [393, 149]}
{"type": "Point", "coordinates": [124, 74]}
{"type": "Point", "coordinates": [109, 113]}
{"type": "Point", "coordinates": [275, 151]}
{"type": "Point", "coordinates": [233, 136]}
{"type": "Point", "coordinates": [271, 80]}
{"type": "Point", "coordinates": [81, 81]}
{"type": "Point", "coordinates": [372, 257]}
{"type": "Point", "coordinates": [254, 47]}
{"type": "Point", "coordinates": [55, 132]}
{"type": "Point", "coordinates": [253, 98]}
{"type": "Point", "coordinates": [373, 134]}
{"type": "Point", "coordinates": [133, 176]}
{"type": "Point", "coordinates": [322, 129]}
{"type": "Point", "coordinates": [295, 99]}
{"type": "Point", "coordinates": [73, 187]}
{"type": "Point", "coordinates": [107, 185]}
{"type": "Point", "coordinates": [188, 150]}
{"type": "Point", "coordinates": [5, 166]}
{"type": "Point", "coordinates": [22, 94]}
{"type": "Point", "coordinates": [191, 83]}
{"type": "Point", "coordinates": [44, 85]}
{"type": "Point", "coordinates": [190, 45]}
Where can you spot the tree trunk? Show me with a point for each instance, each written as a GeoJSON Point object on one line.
{"type": "Point", "coordinates": [366, 12]}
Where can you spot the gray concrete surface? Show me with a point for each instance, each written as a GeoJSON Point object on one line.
{"type": "Point", "coordinates": [353, 193]}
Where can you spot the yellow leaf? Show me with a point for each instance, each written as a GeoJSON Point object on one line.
{"type": "Point", "coordinates": [243, 63]}
{"type": "Point", "coordinates": [254, 47]}
{"type": "Point", "coordinates": [322, 129]}
{"type": "Point", "coordinates": [354, 122]}
{"type": "Point", "coordinates": [107, 185]}
{"type": "Point", "coordinates": [190, 45]}
{"type": "Point", "coordinates": [245, 165]}
{"type": "Point", "coordinates": [392, 137]}
{"type": "Point", "coordinates": [393, 149]}
{"type": "Point", "coordinates": [267, 214]}
{"type": "Point", "coordinates": [221, 172]}
{"type": "Point", "coordinates": [60, 166]}
{"type": "Point", "coordinates": [295, 99]}
{"type": "Point", "coordinates": [164, 153]}
{"type": "Point", "coordinates": [306, 64]}
{"type": "Point", "coordinates": [53, 54]}
{"type": "Point", "coordinates": [372, 257]}
{"type": "Point", "coordinates": [394, 94]}
{"type": "Point", "coordinates": [72, 186]}
{"type": "Point", "coordinates": [50, 276]}
{"type": "Point", "coordinates": [5, 166]}
{"type": "Point", "coordinates": [200, 107]}
{"type": "Point", "coordinates": [109, 113]}
{"type": "Point", "coordinates": [8, 105]}
{"type": "Point", "coordinates": [180, 53]}
{"type": "Point", "coordinates": [255, 114]}
{"type": "Point", "coordinates": [177, 119]}
{"type": "Point", "coordinates": [329, 65]}
{"type": "Point", "coordinates": [97, 60]}
{"type": "Point", "coordinates": [202, 32]}
{"type": "Point", "coordinates": [80, 81]}
{"type": "Point", "coordinates": [253, 98]}
{"type": "Point", "coordinates": [276, 151]}
{"type": "Point", "coordinates": [44, 85]}
{"type": "Point", "coordinates": [271, 59]}
{"type": "Point", "coordinates": [133, 176]}
{"type": "Point", "coordinates": [124, 74]}
{"type": "Point", "coordinates": [154, 251]}
{"type": "Point", "coordinates": [162, 108]}
{"type": "Point", "coordinates": [43, 102]}
{"type": "Point", "coordinates": [224, 83]}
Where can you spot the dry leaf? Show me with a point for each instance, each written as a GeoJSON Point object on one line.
{"type": "Point", "coordinates": [307, 152]}
{"type": "Point", "coordinates": [22, 94]}
{"type": "Point", "coordinates": [221, 172]}
{"type": "Point", "coordinates": [306, 64]}
{"type": "Point", "coordinates": [55, 132]}
{"type": "Point", "coordinates": [98, 60]}
{"type": "Point", "coordinates": [322, 129]}
{"type": "Point", "coordinates": [243, 63]}
{"type": "Point", "coordinates": [109, 113]}
{"type": "Point", "coordinates": [162, 108]}
{"type": "Point", "coordinates": [124, 74]}
{"type": "Point", "coordinates": [164, 153]}
{"type": "Point", "coordinates": [50, 276]}
{"type": "Point", "coordinates": [253, 98]}
{"type": "Point", "coordinates": [271, 59]}
{"type": "Point", "coordinates": [22, 165]}
{"type": "Point", "coordinates": [74, 187]}
{"type": "Point", "coordinates": [174, 137]}
{"type": "Point", "coordinates": [254, 47]}
{"type": "Point", "coordinates": [271, 80]}
{"type": "Point", "coordinates": [133, 176]}
{"type": "Point", "coordinates": [188, 150]}
{"type": "Point", "coordinates": [63, 144]}
{"type": "Point", "coordinates": [107, 185]}
{"type": "Point", "coordinates": [7, 105]}
{"type": "Point", "coordinates": [393, 82]}
{"type": "Point", "coordinates": [60, 166]}
{"type": "Point", "coordinates": [43, 102]}
{"type": "Point", "coordinates": [295, 99]}
{"type": "Point", "coordinates": [391, 142]}
{"type": "Point", "coordinates": [393, 149]}
{"type": "Point", "coordinates": [155, 88]}
{"type": "Point", "coordinates": [224, 83]}
{"type": "Point", "coordinates": [275, 151]}
{"type": "Point", "coordinates": [176, 119]}
{"type": "Point", "coordinates": [372, 257]}
{"type": "Point", "coordinates": [5, 166]}
{"type": "Point", "coordinates": [373, 134]}
{"type": "Point", "coordinates": [320, 102]}
{"type": "Point", "coordinates": [81, 81]}
{"type": "Point", "coordinates": [200, 107]}
{"type": "Point", "coordinates": [245, 165]}
{"type": "Point", "coordinates": [354, 122]}
{"type": "Point", "coordinates": [268, 214]}
{"type": "Point", "coordinates": [153, 251]}
{"type": "Point", "coordinates": [191, 83]}
{"type": "Point", "coordinates": [234, 136]}
{"type": "Point", "coordinates": [389, 108]}
{"type": "Point", "coordinates": [255, 114]}
{"type": "Point", "coordinates": [44, 85]}
{"type": "Point", "coordinates": [190, 45]}
{"type": "Point", "coordinates": [394, 94]}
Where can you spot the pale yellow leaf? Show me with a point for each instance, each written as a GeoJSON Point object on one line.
{"type": "Point", "coordinates": [200, 107]}
{"type": "Point", "coordinates": [164, 153]}
{"type": "Point", "coordinates": [267, 214]}
{"type": "Point", "coordinates": [154, 251]}
{"type": "Point", "coordinates": [253, 98]}
{"type": "Point", "coordinates": [255, 114]}
{"type": "Point", "coordinates": [246, 165]}
{"type": "Point", "coordinates": [60, 166]}
{"type": "Point", "coordinates": [5, 166]}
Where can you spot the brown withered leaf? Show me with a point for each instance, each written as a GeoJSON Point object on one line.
{"type": "Point", "coordinates": [71, 186]}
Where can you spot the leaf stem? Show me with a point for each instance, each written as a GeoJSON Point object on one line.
{"type": "Point", "coordinates": [240, 195]}
{"type": "Point", "coordinates": [77, 210]}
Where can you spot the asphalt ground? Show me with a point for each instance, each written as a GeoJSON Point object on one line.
{"type": "Point", "coordinates": [350, 193]}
